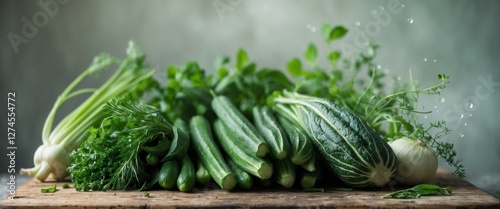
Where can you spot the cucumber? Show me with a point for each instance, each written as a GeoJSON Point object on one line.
{"type": "Point", "coordinates": [269, 128]}
{"type": "Point", "coordinates": [202, 174]}
{"type": "Point", "coordinates": [207, 151]}
{"type": "Point", "coordinates": [249, 138]}
{"type": "Point", "coordinates": [357, 155]}
{"type": "Point", "coordinates": [187, 176]}
{"type": "Point", "coordinates": [253, 165]}
{"type": "Point", "coordinates": [310, 179]}
{"type": "Point", "coordinates": [245, 180]}
{"type": "Point", "coordinates": [284, 173]}
{"type": "Point", "coordinates": [167, 177]}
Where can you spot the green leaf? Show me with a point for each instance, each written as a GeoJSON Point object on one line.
{"type": "Point", "coordinates": [337, 33]}
{"type": "Point", "coordinates": [241, 59]}
{"type": "Point", "coordinates": [172, 72]}
{"type": "Point", "coordinates": [325, 31]}
{"type": "Point", "coordinates": [65, 186]}
{"type": "Point", "coordinates": [160, 149]}
{"type": "Point", "coordinates": [334, 57]}
{"type": "Point", "coordinates": [294, 67]}
{"type": "Point", "coordinates": [180, 145]}
{"type": "Point", "coordinates": [49, 190]}
{"type": "Point", "coordinates": [311, 54]}
{"type": "Point", "coordinates": [221, 61]}
{"type": "Point", "coordinates": [419, 190]}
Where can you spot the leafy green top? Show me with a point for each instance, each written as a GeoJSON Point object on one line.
{"type": "Point", "coordinates": [113, 156]}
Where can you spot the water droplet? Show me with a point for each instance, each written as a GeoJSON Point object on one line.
{"type": "Point", "coordinates": [470, 105]}
{"type": "Point", "coordinates": [410, 20]}
{"type": "Point", "coordinates": [357, 23]}
{"type": "Point", "coordinates": [402, 5]}
{"type": "Point", "coordinates": [399, 78]}
{"type": "Point", "coordinates": [437, 111]}
{"type": "Point", "coordinates": [425, 59]}
{"type": "Point", "coordinates": [313, 29]}
{"type": "Point", "coordinates": [462, 135]}
{"type": "Point", "coordinates": [442, 99]}
{"type": "Point", "coordinates": [435, 106]}
{"type": "Point", "coordinates": [379, 67]}
{"type": "Point", "coordinates": [461, 115]}
{"type": "Point", "coordinates": [425, 116]}
{"type": "Point", "coordinates": [470, 114]}
{"type": "Point", "coordinates": [465, 124]}
{"type": "Point", "coordinates": [434, 60]}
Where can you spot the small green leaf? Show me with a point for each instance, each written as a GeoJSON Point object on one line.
{"type": "Point", "coordinates": [49, 190]}
{"type": "Point", "coordinates": [337, 33]}
{"type": "Point", "coordinates": [311, 54]}
{"type": "Point", "coordinates": [325, 31]}
{"type": "Point", "coordinates": [172, 71]}
{"type": "Point", "coordinates": [241, 58]}
{"type": "Point", "coordinates": [294, 67]}
{"type": "Point", "coordinates": [334, 57]}
{"type": "Point", "coordinates": [179, 146]}
{"type": "Point", "coordinates": [65, 186]}
{"type": "Point", "coordinates": [221, 61]}
{"type": "Point", "coordinates": [222, 72]}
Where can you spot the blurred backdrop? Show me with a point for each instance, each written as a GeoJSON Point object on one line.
{"type": "Point", "coordinates": [458, 38]}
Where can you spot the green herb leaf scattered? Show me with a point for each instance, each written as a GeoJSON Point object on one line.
{"type": "Point", "coordinates": [418, 191]}
{"type": "Point", "coordinates": [49, 190]}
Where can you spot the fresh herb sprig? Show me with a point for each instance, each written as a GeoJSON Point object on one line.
{"type": "Point", "coordinates": [112, 158]}
{"type": "Point", "coordinates": [392, 115]}
{"type": "Point", "coordinates": [418, 191]}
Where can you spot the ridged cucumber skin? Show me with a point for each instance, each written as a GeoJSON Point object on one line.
{"type": "Point", "coordinates": [209, 154]}
{"type": "Point", "coordinates": [271, 131]}
{"type": "Point", "coordinates": [252, 141]}
{"type": "Point", "coordinates": [253, 165]}
{"type": "Point", "coordinates": [301, 148]}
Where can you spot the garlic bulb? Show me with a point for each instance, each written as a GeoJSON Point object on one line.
{"type": "Point", "coordinates": [417, 163]}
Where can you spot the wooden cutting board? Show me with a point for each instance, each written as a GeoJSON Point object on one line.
{"type": "Point", "coordinates": [465, 195]}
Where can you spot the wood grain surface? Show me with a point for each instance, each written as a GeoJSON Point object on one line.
{"type": "Point", "coordinates": [465, 195]}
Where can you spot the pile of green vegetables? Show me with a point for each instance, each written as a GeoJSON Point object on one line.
{"type": "Point", "coordinates": [246, 125]}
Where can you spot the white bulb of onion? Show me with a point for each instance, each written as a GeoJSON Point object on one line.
{"type": "Point", "coordinates": [417, 163]}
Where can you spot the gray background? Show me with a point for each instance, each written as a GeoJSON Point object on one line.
{"type": "Point", "coordinates": [462, 36]}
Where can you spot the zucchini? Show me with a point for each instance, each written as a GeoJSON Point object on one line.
{"type": "Point", "coordinates": [187, 176]}
{"type": "Point", "coordinates": [207, 151]}
{"type": "Point", "coordinates": [253, 165]}
{"type": "Point", "coordinates": [202, 174]}
{"type": "Point", "coordinates": [284, 173]}
{"type": "Point", "coordinates": [245, 180]}
{"type": "Point", "coordinates": [352, 149]}
{"type": "Point", "coordinates": [167, 177]}
{"type": "Point", "coordinates": [302, 151]}
{"type": "Point", "coordinates": [249, 138]}
{"type": "Point", "coordinates": [269, 128]}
